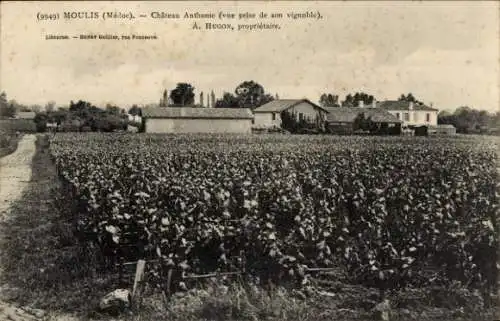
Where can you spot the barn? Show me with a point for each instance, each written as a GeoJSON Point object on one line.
{"type": "Point", "coordinates": [30, 115]}
{"type": "Point", "coordinates": [197, 120]}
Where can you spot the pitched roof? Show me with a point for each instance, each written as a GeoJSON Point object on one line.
{"type": "Point", "coordinates": [349, 114]}
{"type": "Point", "coordinates": [26, 115]}
{"type": "Point", "coordinates": [279, 105]}
{"type": "Point", "coordinates": [192, 112]}
{"type": "Point", "coordinates": [381, 116]}
{"type": "Point", "coordinates": [402, 105]}
{"type": "Point", "coordinates": [342, 114]}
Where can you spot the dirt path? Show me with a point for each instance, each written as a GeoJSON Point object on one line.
{"type": "Point", "coordinates": [15, 172]}
{"type": "Point", "coordinates": [15, 175]}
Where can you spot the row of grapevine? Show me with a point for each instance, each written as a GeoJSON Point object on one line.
{"type": "Point", "coordinates": [390, 211]}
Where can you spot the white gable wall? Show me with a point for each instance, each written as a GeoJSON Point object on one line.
{"type": "Point", "coordinates": [309, 112]}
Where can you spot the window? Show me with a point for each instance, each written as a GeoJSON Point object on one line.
{"type": "Point", "coordinates": [301, 116]}
{"type": "Point", "coordinates": [407, 116]}
{"type": "Point", "coordinates": [398, 116]}
{"type": "Point", "coordinates": [427, 117]}
{"type": "Point", "coordinates": [253, 121]}
{"type": "Point", "coordinates": [274, 116]}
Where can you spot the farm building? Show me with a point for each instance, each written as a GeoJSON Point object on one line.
{"type": "Point", "coordinates": [346, 120]}
{"type": "Point", "coordinates": [442, 130]}
{"type": "Point", "coordinates": [29, 115]}
{"type": "Point", "coordinates": [410, 113]}
{"type": "Point", "coordinates": [197, 120]}
{"type": "Point", "coordinates": [276, 112]}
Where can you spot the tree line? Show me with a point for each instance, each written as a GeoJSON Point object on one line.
{"type": "Point", "coordinates": [248, 94]}
{"type": "Point", "coordinates": [355, 100]}
{"type": "Point", "coordinates": [468, 120]}
{"type": "Point", "coordinates": [9, 108]}
{"type": "Point", "coordinates": [83, 115]}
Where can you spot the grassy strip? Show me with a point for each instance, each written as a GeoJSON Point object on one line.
{"type": "Point", "coordinates": [345, 302]}
{"type": "Point", "coordinates": [41, 260]}
{"type": "Point", "coordinates": [45, 268]}
{"type": "Point", "coordinates": [8, 143]}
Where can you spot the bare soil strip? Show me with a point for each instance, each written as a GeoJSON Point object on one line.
{"type": "Point", "coordinates": [15, 172]}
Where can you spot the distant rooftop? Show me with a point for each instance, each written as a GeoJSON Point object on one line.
{"type": "Point", "coordinates": [26, 115]}
{"type": "Point", "coordinates": [193, 112]}
{"type": "Point", "coordinates": [402, 105]}
{"type": "Point", "coordinates": [349, 114]}
{"type": "Point", "coordinates": [279, 105]}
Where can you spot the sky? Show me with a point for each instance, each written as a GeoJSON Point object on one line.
{"type": "Point", "coordinates": [445, 53]}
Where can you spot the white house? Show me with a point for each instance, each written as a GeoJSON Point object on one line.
{"type": "Point", "coordinates": [269, 115]}
{"type": "Point", "coordinates": [410, 113]}
{"type": "Point", "coordinates": [197, 120]}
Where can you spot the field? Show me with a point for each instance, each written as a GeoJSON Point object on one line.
{"type": "Point", "coordinates": [387, 213]}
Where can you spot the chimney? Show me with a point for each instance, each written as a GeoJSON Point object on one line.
{"type": "Point", "coordinates": [411, 105]}
{"type": "Point", "coordinates": [361, 103]}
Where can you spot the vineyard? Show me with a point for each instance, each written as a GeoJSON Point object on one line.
{"type": "Point", "coordinates": [389, 212]}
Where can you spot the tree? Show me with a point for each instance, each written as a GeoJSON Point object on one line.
{"type": "Point", "coordinates": [361, 122]}
{"type": "Point", "coordinates": [183, 94]}
{"type": "Point", "coordinates": [10, 110]}
{"type": "Point", "coordinates": [348, 101]}
{"type": "Point", "coordinates": [212, 99]}
{"type": "Point", "coordinates": [41, 120]}
{"type": "Point", "coordinates": [36, 108]}
{"type": "Point", "coordinates": [108, 123]}
{"type": "Point", "coordinates": [6, 109]}
{"type": "Point", "coordinates": [113, 110]}
{"type": "Point", "coordinates": [3, 99]}
{"type": "Point", "coordinates": [164, 99]}
{"type": "Point", "coordinates": [470, 120]}
{"type": "Point", "coordinates": [50, 107]}
{"type": "Point", "coordinates": [354, 100]}
{"type": "Point", "coordinates": [251, 94]}
{"type": "Point", "coordinates": [410, 98]}
{"type": "Point", "coordinates": [135, 111]}
{"type": "Point", "coordinates": [228, 100]}
{"type": "Point", "coordinates": [20, 107]}
{"type": "Point", "coordinates": [82, 109]}
{"type": "Point", "coordinates": [58, 116]}
{"type": "Point", "coordinates": [248, 94]}
{"type": "Point", "coordinates": [329, 100]}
